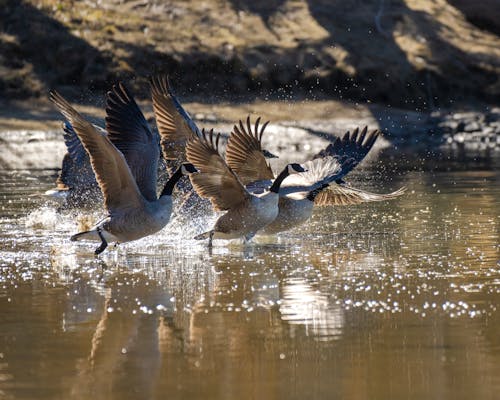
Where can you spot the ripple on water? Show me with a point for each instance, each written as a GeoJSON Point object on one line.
{"type": "Point", "coordinates": [429, 256]}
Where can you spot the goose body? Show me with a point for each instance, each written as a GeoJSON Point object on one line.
{"type": "Point", "coordinates": [246, 213]}
{"type": "Point", "coordinates": [133, 208]}
{"type": "Point", "coordinates": [291, 213]}
{"type": "Point", "coordinates": [262, 210]}
{"type": "Point", "coordinates": [321, 185]}
{"type": "Point", "coordinates": [136, 223]}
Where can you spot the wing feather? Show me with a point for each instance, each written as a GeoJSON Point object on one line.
{"type": "Point", "coordinates": [215, 180]}
{"type": "Point", "coordinates": [319, 173]}
{"type": "Point", "coordinates": [351, 146]}
{"type": "Point", "coordinates": [129, 131]}
{"type": "Point", "coordinates": [110, 167]}
{"type": "Point", "coordinates": [174, 124]}
{"type": "Point", "coordinates": [76, 171]}
{"type": "Point", "coordinates": [244, 152]}
{"type": "Point", "coordinates": [343, 195]}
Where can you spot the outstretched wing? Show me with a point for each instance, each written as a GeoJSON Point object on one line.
{"type": "Point", "coordinates": [215, 180]}
{"type": "Point", "coordinates": [74, 145]}
{"type": "Point", "coordinates": [353, 146]}
{"type": "Point", "coordinates": [319, 174]}
{"type": "Point", "coordinates": [174, 124]}
{"type": "Point", "coordinates": [244, 153]}
{"type": "Point", "coordinates": [112, 172]}
{"type": "Point", "coordinates": [76, 171]}
{"type": "Point", "coordinates": [129, 131]}
{"type": "Point", "coordinates": [343, 195]}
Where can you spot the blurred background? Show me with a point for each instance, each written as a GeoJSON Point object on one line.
{"type": "Point", "coordinates": [428, 58]}
{"type": "Point", "coordinates": [407, 53]}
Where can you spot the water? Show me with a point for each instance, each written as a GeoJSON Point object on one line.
{"type": "Point", "coordinates": [395, 300]}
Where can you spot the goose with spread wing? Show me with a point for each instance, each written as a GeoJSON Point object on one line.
{"type": "Point", "coordinates": [134, 210]}
{"type": "Point", "coordinates": [244, 157]}
{"type": "Point", "coordinates": [176, 128]}
{"type": "Point", "coordinates": [76, 185]}
{"type": "Point", "coordinates": [246, 213]}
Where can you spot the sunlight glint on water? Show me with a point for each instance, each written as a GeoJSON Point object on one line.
{"type": "Point", "coordinates": [409, 288]}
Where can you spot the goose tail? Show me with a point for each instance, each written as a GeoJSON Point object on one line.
{"type": "Point", "coordinates": [204, 235]}
{"type": "Point", "coordinates": [83, 236]}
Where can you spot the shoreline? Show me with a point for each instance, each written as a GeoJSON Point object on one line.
{"type": "Point", "coordinates": [296, 128]}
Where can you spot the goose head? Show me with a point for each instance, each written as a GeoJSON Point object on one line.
{"type": "Point", "coordinates": [295, 168]}
{"type": "Point", "coordinates": [183, 170]}
{"type": "Point", "coordinates": [187, 169]}
{"type": "Point", "coordinates": [290, 169]}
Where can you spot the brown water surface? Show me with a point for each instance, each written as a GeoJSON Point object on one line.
{"type": "Point", "coordinates": [395, 300]}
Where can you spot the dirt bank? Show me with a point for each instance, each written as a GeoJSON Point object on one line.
{"type": "Point", "coordinates": [413, 54]}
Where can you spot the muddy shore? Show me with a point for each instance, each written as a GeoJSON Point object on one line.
{"type": "Point", "coordinates": [30, 134]}
{"type": "Point", "coordinates": [425, 72]}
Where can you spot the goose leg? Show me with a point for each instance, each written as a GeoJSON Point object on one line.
{"type": "Point", "coordinates": [103, 245]}
{"type": "Point", "coordinates": [248, 237]}
{"type": "Point", "coordinates": [210, 238]}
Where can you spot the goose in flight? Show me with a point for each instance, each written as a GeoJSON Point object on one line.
{"type": "Point", "coordinates": [246, 213]}
{"type": "Point", "coordinates": [244, 157]}
{"type": "Point", "coordinates": [76, 185]}
{"type": "Point", "coordinates": [133, 207]}
{"type": "Point", "coordinates": [176, 128]}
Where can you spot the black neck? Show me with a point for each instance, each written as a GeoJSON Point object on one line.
{"type": "Point", "coordinates": [275, 187]}
{"type": "Point", "coordinates": [169, 186]}
{"type": "Point", "coordinates": [313, 193]}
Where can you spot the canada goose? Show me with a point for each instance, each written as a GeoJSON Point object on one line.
{"type": "Point", "coordinates": [244, 157]}
{"type": "Point", "coordinates": [174, 123]}
{"type": "Point", "coordinates": [134, 210]}
{"type": "Point", "coordinates": [76, 185]}
{"type": "Point", "coordinates": [246, 213]}
{"type": "Point", "coordinates": [176, 128]}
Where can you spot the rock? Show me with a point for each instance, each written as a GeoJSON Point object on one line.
{"type": "Point", "coordinates": [472, 127]}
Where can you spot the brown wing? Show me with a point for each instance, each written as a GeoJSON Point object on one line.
{"type": "Point", "coordinates": [174, 124]}
{"type": "Point", "coordinates": [244, 153]}
{"type": "Point", "coordinates": [342, 195]}
{"type": "Point", "coordinates": [112, 172]}
{"type": "Point", "coordinates": [215, 180]}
